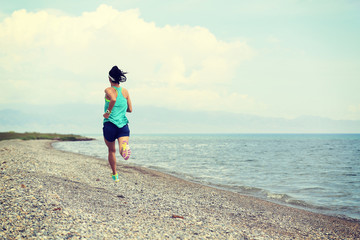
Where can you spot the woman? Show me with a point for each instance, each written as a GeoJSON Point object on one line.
{"type": "Point", "coordinates": [117, 103]}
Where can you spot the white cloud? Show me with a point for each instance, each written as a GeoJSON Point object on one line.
{"type": "Point", "coordinates": [50, 56]}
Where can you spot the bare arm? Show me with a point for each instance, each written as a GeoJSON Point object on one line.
{"type": "Point", "coordinates": [111, 95]}
{"type": "Point", "coordinates": [127, 97]}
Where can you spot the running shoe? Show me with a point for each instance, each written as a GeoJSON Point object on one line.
{"type": "Point", "coordinates": [116, 177]}
{"type": "Point", "coordinates": [125, 150]}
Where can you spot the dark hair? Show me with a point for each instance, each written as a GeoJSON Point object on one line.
{"type": "Point", "coordinates": [116, 75]}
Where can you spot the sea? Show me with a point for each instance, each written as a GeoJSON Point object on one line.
{"type": "Point", "coordinates": [315, 172]}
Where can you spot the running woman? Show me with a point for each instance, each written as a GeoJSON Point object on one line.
{"type": "Point", "coordinates": [117, 103]}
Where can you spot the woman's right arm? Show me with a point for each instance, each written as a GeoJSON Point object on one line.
{"type": "Point", "coordinates": [127, 97]}
{"type": "Point", "coordinates": [110, 94]}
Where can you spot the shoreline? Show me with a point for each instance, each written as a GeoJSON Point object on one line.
{"type": "Point", "coordinates": [284, 197]}
{"type": "Point", "coordinates": [75, 197]}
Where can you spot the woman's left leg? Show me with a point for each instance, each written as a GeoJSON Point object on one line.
{"type": "Point", "coordinates": [111, 155]}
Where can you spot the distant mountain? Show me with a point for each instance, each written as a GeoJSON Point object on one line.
{"type": "Point", "coordinates": [158, 120]}
{"type": "Point", "coordinates": [87, 119]}
{"type": "Point", "coordinates": [54, 119]}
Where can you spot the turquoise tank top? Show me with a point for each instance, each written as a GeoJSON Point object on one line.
{"type": "Point", "coordinates": [118, 113]}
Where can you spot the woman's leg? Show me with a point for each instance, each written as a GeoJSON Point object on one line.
{"type": "Point", "coordinates": [111, 155]}
{"type": "Point", "coordinates": [124, 147]}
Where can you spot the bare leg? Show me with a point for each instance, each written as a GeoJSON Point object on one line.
{"type": "Point", "coordinates": [121, 141]}
{"type": "Point", "coordinates": [111, 155]}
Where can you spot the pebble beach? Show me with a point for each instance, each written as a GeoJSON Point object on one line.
{"type": "Point", "coordinates": [50, 194]}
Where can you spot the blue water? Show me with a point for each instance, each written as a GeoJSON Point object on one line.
{"type": "Point", "coordinates": [318, 172]}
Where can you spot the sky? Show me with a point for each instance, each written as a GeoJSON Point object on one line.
{"type": "Point", "coordinates": [267, 58]}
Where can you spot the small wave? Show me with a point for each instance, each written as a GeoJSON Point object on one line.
{"type": "Point", "coordinates": [238, 189]}
{"type": "Point", "coordinates": [250, 160]}
{"type": "Point", "coordinates": [299, 203]}
{"type": "Point", "coordinates": [290, 201]}
{"type": "Point", "coordinates": [311, 189]}
{"type": "Point", "coordinates": [276, 196]}
{"type": "Point", "coordinates": [350, 174]}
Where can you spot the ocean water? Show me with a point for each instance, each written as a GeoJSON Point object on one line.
{"type": "Point", "coordinates": [317, 172]}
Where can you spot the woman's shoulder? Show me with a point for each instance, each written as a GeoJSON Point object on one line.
{"type": "Point", "coordinates": [124, 92]}
{"type": "Point", "coordinates": [110, 89]}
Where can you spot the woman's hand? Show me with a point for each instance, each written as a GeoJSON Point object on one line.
{"type": "Point", "coordinates": [106, 115]}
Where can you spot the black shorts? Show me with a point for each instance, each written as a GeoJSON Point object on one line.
{"type": "Point", "coordinates": [112, 132]}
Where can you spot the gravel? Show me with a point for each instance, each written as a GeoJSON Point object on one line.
{"type": "Point", "coordinates": [50, 194]}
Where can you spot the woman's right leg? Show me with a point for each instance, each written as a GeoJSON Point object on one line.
{"type": "Point", "coordinates": [124, 147]}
